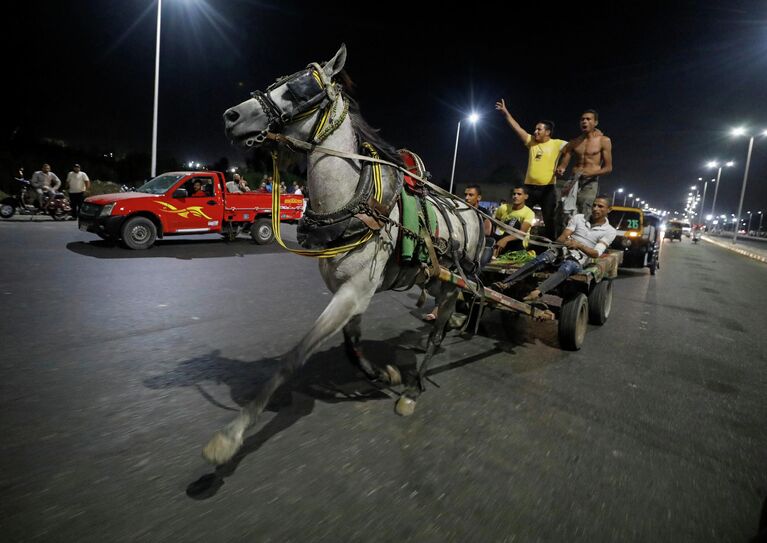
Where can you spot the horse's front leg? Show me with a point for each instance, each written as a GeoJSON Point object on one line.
{"type": "Point", "coordinates": [405, 406]}
{"type": "Point", "coordinates": [389, 375]}
{"type": "Point", "coordinates": [348, 300]}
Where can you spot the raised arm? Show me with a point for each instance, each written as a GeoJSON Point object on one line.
{"type": "Point", "coordinates": [523, 135]}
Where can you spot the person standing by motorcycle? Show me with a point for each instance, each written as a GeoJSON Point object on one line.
{"type": "Point", "coordinates": [45, 183]}
{"type": "Point", "coordinates": [77, 183]}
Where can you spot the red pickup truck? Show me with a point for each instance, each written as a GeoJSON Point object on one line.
{"type": "Point", "coordinates": [177, 203]}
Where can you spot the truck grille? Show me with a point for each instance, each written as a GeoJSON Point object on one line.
{"type": "Point", "coordinates": [90, 210]}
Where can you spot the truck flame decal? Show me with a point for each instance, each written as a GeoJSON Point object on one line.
{"type": "Point", "coordinates": [195, 211]}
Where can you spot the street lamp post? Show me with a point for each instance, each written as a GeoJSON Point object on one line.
{"type": "Point", "coordinates": [715, 164]}
{"type": "Point", "coordinates": [748, 229]}
{"type": "Point", "coordinates": [740, 132]}
{"type": "Point", "coordinates": [701, 219]}
{"type": "Point", "coordinates": [630, 196]}
{"type": "Point", "coordinates": [618, 191]}
{"type": "Point", "coordinates": [156, 89]}
{"type": "Point", "coordinates": [473, 118]}
{"type": "Point", "coordinates": [695, 200]}
{"type": "Point", "coordinates": [761, 216]}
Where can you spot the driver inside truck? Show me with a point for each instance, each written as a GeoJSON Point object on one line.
{"type": "Point", "coordinates": [197, 189]}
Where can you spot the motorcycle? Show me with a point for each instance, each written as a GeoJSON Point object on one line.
{"type": "Point", "coordinates": [696, 235]}
{"type": "Point", "coordinates": [25, 202]}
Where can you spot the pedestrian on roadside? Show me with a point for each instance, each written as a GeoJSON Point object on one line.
{"type": "Point", "coordinates": [78, 184]}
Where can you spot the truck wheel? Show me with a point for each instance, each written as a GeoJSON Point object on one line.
{"type": "Point", "coordinates": [7, 210]}
{"type": "Point", "coordinates": [262, 232]}
{"type": "Point", "coordinates": [600, 302]}
{"type": "Point", "coordinates": [139, 233]}
{"type": "Point", "coordinates": [573, 320]}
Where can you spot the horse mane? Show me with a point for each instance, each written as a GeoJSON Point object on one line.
{"type": "Point", "coordinates": [363, 131]}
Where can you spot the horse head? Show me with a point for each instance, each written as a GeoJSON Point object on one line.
{"type": "Point", "coordinates": [291, 105]}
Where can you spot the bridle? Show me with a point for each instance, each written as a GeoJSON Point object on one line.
{"type": "Point", "coordinates": [309, 91]}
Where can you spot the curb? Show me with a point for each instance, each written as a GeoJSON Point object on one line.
{"type": "Point", "coordinates": [736, 249]}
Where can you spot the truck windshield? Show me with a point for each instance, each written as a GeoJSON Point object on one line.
{"type": "Point", "coordinates": [160, 184]}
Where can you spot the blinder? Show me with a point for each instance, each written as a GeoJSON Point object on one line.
{"type": "Point", "coordinates": [305, 92]}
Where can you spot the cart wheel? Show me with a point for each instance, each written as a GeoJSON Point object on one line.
{"type": "Point", "coordinates": [654, 266]}
{"type": "Point", "coordinates": [600, 302]}
{"type": "Point", "coordinates": [573, 319]}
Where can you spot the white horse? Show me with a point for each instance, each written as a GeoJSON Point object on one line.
{"type": "Point", "coordinates": [311, 106]}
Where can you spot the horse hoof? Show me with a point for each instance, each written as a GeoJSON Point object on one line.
{"type": "Point", "coordinates": [220, 449]}
{"type": "Point", "coordinates": [405, 406]}
{"type": "Point", "coordinates": [393, 374]}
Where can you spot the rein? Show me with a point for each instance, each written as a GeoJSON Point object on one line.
{"type": "Point", "coordinates": [330, 252]}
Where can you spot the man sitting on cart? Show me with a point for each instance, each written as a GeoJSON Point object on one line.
{"type": "Point", "coordinates": [516, 214]}
{"type": "Point", "coordinates": [583, 239]}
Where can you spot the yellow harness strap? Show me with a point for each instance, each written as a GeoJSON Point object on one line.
{"type": "Point", "coordinates": [321, 253]}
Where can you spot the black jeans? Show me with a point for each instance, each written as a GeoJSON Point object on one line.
{"type": "Point", "coordinates": [546, 197]}
{"type": "Point", "coordinates": [76, 200]}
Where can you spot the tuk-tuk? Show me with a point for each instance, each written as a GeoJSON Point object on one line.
{"type": "Point", "coordinates": [673, 230]}
{"type": "Point", "coordinates": [638, 236]}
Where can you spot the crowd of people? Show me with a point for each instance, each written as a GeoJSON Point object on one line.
{"type": "Point", "coordinates": [574, 212]}
{"type": "Point", "coordinates": [239, 184]}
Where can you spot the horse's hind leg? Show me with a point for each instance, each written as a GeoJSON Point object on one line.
{"type": "Point", "coordinates": [390, 375]}
{"type": "Point", "coordinates": [347, 301]}
{"type": "Point", "coordinates": [406, 403]}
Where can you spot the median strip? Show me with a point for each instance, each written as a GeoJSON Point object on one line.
{"type": "Point", "coordinates": [731, 247]}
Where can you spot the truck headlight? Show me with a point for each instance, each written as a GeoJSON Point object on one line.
{"type": "Point", "coordinates": [106, 211]}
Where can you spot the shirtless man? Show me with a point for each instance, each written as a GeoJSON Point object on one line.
{"type": "Point", "coordinates": [594, 157]}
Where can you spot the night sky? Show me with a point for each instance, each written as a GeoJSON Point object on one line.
{"type": "Point", "coordinates": [668, 81]}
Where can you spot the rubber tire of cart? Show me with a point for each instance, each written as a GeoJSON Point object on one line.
{"type": "Point", "coordinates": [600, 302]}
{"type": "Point", "coordinates": [654, 265]}
{"type": "Point", "coordinates": [573, 321]}
{"type": "Point", "coordinates": [139, 233]}
{"type": "Point", "coordinates": [262, 232]}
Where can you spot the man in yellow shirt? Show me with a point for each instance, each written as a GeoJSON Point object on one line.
{"type": "Point", "coordinates": [518, 215]}
{"type": "Point", "coordinates": [543, 154]}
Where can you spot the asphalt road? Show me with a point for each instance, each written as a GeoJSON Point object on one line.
{"type": "Point", "coordinates": [117, 366]}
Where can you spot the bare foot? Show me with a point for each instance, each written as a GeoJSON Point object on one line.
{"type": "Point", "coordinates": [533, 296]}
{"type": "Point", "coordinates": [429, 317]}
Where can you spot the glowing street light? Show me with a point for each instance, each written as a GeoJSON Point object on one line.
{"type": "Point", "coordinates": [619, 191]}
{"type": "Point", "coordinates": [715, 164]}
{"type": "Point", "coordinates": [742, 132]}
{"type": "Point", "coordinates": [630, 196]}
{"type": "Point", "coordinates": [473, 118]}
